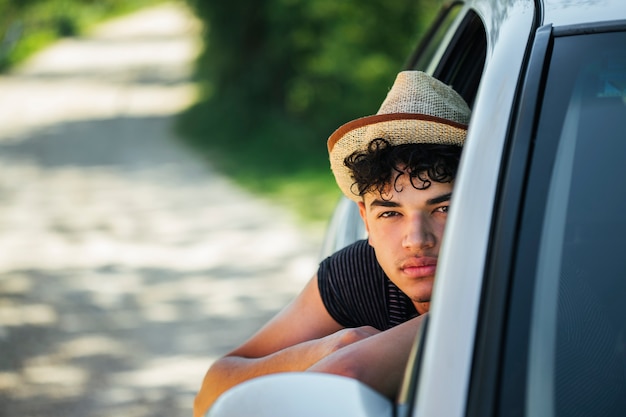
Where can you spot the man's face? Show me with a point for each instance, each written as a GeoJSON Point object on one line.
{"type": "Point", "coordinates": [405, 226]}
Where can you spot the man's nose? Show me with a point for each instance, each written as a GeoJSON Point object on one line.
{"type": "Point", "coordinates": [418, 234]}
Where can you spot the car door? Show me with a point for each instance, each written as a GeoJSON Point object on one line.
{"type": "Point", "coordinates": [553, 339]}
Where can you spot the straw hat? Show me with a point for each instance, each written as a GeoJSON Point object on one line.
{"type": "Point", "coordinates": [418, 109]}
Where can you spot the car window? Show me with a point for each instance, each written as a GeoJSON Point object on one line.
{"type": "Point", "coordinates": [577, 356]}
{"type": "Point", "coordinates": [454, 54]}
{"type": "Point", "coordinates": [463, 69]}
{"type": "Point", "coordinates": [576, 347]}
{"type": "Point", "coordinates": [463, 62]}
{"type": "Point", "coordinates": [423, 55]}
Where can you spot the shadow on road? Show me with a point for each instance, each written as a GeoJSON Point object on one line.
{"type": "Point", "coordinates": [126, 264]}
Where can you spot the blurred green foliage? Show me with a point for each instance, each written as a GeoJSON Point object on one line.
{"type": "Point", "coordinates": [27, 26]}
{"type": "Point", "coordinates": [278, 76]}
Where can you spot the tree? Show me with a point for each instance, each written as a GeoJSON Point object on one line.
{"type": "Point", "coordinates": [317, 62]}
{"type": "Point", "coordinates": [278, 76]}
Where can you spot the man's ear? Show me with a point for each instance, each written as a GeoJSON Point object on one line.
{"type": "Point", "coordinates": [362, 212]}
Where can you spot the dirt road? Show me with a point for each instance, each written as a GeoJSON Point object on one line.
{"type": "Point", "coordinates": [126, 264]}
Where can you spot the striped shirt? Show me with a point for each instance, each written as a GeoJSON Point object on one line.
{"type": "Point", "coordinates": [356, 291]}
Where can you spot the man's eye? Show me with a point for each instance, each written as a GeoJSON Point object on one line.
{"type": "Point", "coordinates": [442, 209]}
{"type": "Point", "coordinates": [388, 214]}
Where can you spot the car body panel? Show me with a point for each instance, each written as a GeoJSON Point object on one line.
{"type": "Point", "coordinates": [566, 13]}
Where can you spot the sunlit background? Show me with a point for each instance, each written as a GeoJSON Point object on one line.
{"type": "Point", "coordinates": [135, 245]}
{"type": "Point", "coordinates": [126, 265]}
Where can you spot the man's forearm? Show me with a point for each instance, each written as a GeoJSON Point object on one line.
{"type": "Point", "coordinates": [229, 371]}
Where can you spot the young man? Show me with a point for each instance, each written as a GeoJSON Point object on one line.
{"type": "Point", "coordinates": [359, 314]}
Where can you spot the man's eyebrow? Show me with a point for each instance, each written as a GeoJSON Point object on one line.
{"type": "Point", "coordinates": [383, 203]}
{"type": "Point", "coordinates": [435, 200]}
{"type": "Point", "coordinates": [440, 199]}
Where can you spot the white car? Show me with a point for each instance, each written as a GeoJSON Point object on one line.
{"type": "Point", "coordinates": [528, 316]}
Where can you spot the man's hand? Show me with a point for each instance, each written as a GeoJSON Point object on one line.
{"type": "Point", "coordinates": [342, 338]}
{"type": "Point", "coordinates": [378, 361]}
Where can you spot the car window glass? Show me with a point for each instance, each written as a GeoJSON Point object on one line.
{"type": "Point", "coordinates": [577, 344]}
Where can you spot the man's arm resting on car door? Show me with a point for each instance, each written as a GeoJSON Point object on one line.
{"type": "Point", "coordinates": [295, 339]}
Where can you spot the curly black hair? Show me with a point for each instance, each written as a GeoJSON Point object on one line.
{"type": "Point", "coordinates": [382, 164]}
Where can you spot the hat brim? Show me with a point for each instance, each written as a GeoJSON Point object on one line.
{"type": "Point", "coordinates": [397, 129]}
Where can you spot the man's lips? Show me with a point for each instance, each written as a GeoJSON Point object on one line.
{"type": "Point", "coordinates": [419, 267]}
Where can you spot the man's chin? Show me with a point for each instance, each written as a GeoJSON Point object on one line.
{"type": "Point", "coordinates": [422, 307]}
{"type": "Point", "coordinates": [421, 291]}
